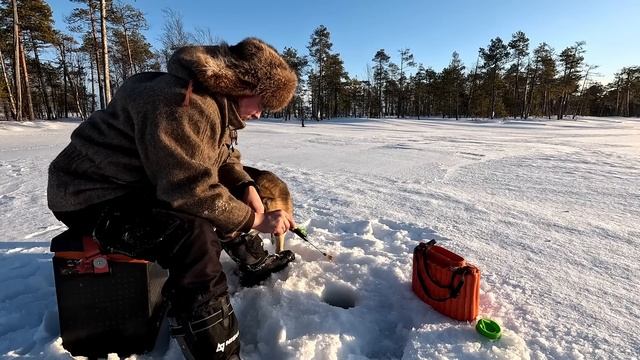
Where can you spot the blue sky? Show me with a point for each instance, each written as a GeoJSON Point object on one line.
{"type": "Point", "coordinates": [431, 29]}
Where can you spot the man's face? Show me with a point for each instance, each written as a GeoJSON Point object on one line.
{"type": "Point", "coordinates": [250, 107]}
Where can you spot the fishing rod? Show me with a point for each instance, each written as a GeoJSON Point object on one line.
{"type": "Point", "coordinates": [302, 234]}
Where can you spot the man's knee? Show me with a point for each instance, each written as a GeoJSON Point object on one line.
{"type": "Point", "coordinates": [150, 234]}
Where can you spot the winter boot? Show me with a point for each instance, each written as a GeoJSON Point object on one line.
{"type": "Point", "coordinates": [255, 273]}
{"type": "Point", "coordinates": [256, 264]}
{"type": "Point", "coordinates": [208, 332]}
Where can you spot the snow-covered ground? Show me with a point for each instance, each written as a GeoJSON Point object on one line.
{"type": "Point", "coordinates": [549, 210]}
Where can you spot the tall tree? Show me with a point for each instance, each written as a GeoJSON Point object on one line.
{"type": "Point", "coordinates": [27, 86]}
{"type": "Point", "coordinates": [543, 74]}
{"type": "Point", "coordinates": [380, 76]}
{"type": "Point", "coordinates": [472, 78]}
{"type": "Point", "coordinates": [319, 51]}
{"type": "Point", "coordinates": [627, 89]}
{"type": "Point", "coordinates": [453, 79]}
{"type": "Point", "coordinates": [128, 20]}
{"type": "Point", "coordinates": [334, 74]}
{"type": "Point", "coordinates": [63, 43]}
{"type": "Point", "coordinates": [494, 58]}
{"type": "Point", "coordinates": [16, 73]}
{"type": "Point", "coordinates": [174, 34]}
{"type": "Point", "coordinates": [105, 51]}
{"type": "Point", "coordinates": [298, 63]}
{"type": "Point", "coordinates": [84, 20]}
{"type": "Point", "coordinates": [570, 60]}
{"type": "Point", "coordinates": [123, 63]}
{"type": "Point", "coordinates": [36, 20]}
{"type": "Point", "coordinates": [585, 81]}
{"type": "Point", "coordinates": [7, 86]}
{"type": "Point", "coordinates": [519, 46]}
{"type": "Point", "coordinates": [406, 61]}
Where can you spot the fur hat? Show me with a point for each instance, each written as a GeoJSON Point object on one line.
{"type": "Point", "coordinates": [251, 67]}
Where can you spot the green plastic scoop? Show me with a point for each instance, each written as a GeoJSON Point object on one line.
{"type": "Point", "coordinates": [489, 328]}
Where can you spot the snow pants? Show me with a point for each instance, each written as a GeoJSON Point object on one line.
{"type": "Point", "coordinates": [142, 227]}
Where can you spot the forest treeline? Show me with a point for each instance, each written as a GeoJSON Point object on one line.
{"type": "Point", "coordinates": [50, 73]}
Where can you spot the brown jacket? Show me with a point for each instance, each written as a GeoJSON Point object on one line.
{"type": "Point", "coordinates": [170, 134]}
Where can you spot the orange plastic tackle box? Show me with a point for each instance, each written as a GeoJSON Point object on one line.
{"type": "Point", "coordinates": [446, 281]}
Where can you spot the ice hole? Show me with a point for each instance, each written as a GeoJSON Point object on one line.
{"type": "Point", "coordinates": [340, 295]}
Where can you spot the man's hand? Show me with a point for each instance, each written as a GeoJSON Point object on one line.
{"type": "Point", "coordinates": [252, 199]}
{"type": "Point", "coordinates": [276, 222]}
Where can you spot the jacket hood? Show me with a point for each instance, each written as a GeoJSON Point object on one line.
{"type": "Point", "coordinates": [251, 67]}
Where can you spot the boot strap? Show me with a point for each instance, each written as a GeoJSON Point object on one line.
{"type": "Point", "coordinates": [196, 326]}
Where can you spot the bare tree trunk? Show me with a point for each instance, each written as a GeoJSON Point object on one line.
{"type": "Point", "coordinates": [473, 84]}
{"type": "Point", "coordinates": [97, 53]}
{"type": "Point", "coordinates": [65, 74]}
{"type": "Point", "coordinates": [493, 95]}
{"type": "Point", "coordinates": [131, 69]}
{"type": "Point", "coordinates": [628, 110]}
{"type": "Point", "coordinates": [43, 87]}
{"type": "Point", "coordinates": [457, 105]}
{"type": "Point", "coordinates": [516, 92]}
{"type": "Point", "coordinates": [618, 96]}
{"type": "Point", "coordinates": [8, 85]}
{"type": "Point", "coordinates": [545, 104]}
{"type": "Point", "coordinates": [93, 86]}
{"type": "Point", "coordinates": [82, 106]}
{"type": "Point", "coordinates": [561, 106]}
{"type": "Point", "coordinates": [105, 52]}
{"type": "Point", "coordinates": [27, 87]}
{"type": "Point", "coordinates": [584, 86]}
{"type": "Point", "coordinates": [529, 104]}
{"type": "Point", "coordinates": [77, 99]}
{"type": "Point", "coordinates": [523, 114]}
{"type": "Point", "coordinates": [54, 95]}
{"type": "Point", "coordinates": [628, 96]}
{"type": "Point", "coordinates": [16, 62]}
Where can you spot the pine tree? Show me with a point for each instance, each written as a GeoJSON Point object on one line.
{"type": "Point", "coordinates": [298, 64]}
{"type": "Point", "coordinates": [36, 33]}
{"type": "Point", "coordinates": [335, 74]}
{"type": "Point", "coordinates": [6, 90]}
{"type": "Point", "coordinates": [380, 76]}
{"type": "Point", "coordinates": [16, 59]}
{"type": "Point", "coordinates": [452, 78]}
{"type": "Point", "coordinates": [391, 90]}
{"type": "Point", "coordinates": [124, 63]}
{"type": "Point", "coordinates": [519, 46]}
{"type": "Point", "coordinates": [494, 58]}
{"type": "Point", "coordinates": [472, 80]}
{"type": "Point", "coordinates": [585, 81]}
{"type": "Point", "coordinates": [543, 74]}
{"type": "Point", "coordinates": [84, 20]}
{"type": "Point", "coordinates": [570, 61]}
{"type": "Point", "coordinates": [406, 61]}
{"type": "Point", "coordinates": [627, 91]}
{"type": "Point", "coordinates": [105, 51]}
{"type": "Point", "coordinates": [128, 21]}
{"type": "Point", "coordinates": [319, 51]}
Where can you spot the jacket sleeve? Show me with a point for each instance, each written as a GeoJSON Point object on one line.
{"type": "Point", "coordinates": [232, 174]}
{"type": "Point", "coordinates": [178, 145]}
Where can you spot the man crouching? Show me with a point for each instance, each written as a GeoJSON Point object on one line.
{"type": "Point", "coordinates": [156, 176]}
